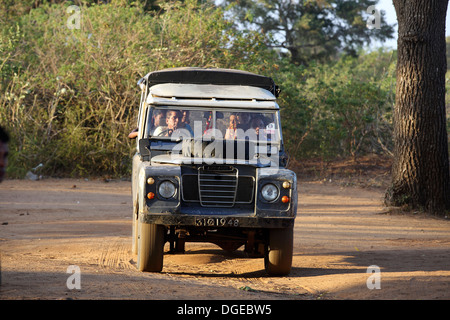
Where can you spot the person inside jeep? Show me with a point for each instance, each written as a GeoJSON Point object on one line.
{"type": "Point", "coordinates": [185, 121]}
{"type": "Point", "coordinates": [230, 134]}
{"type": "Point", "coordinates": [173, 122]}
{"type": "Point", "coordinates": [243, 120]}
{"type": "Point", "coordinates": [257, 123]}
{"type": "Point", "coordinates": [158, 119]}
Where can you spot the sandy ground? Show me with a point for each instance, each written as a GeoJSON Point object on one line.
{"type": "Point", "coordinates": [46, 226]}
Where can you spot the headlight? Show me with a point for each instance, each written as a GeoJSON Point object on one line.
{"type": "Point", "coordinates": [269, 192]}
{"type": "Point", "coordinates": [166, 189]}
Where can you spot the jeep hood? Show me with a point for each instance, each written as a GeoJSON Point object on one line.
{"type": "Point", "coordinates": [259, 162]}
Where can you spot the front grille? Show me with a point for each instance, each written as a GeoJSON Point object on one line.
{"type": "Point", "coordinates": [217, 186]}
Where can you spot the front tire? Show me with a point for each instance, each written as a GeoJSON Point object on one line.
{"type": "Point", "coordinates": [278, 256]}
{"type": "Point", "coordinates": [134, 231]}
{"type": "Point", "coordinates": [150, 247]}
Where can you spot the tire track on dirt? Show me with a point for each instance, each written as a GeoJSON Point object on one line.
{"type": "Point", "coordinates": [117, 270]}
{"type": "Point", "coordinates": [116, 256]}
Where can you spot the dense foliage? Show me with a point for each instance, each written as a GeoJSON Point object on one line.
{"type": "Point", "coordinates": [313, 30]}
{"type": "Point", "coordinates": [68, 96]}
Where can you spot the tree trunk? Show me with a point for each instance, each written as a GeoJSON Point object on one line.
{"type": "Point", "coordinates": [420, 172]}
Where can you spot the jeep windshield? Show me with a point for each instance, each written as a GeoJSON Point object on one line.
{"type": "Point", "coordinates": [176, 123]}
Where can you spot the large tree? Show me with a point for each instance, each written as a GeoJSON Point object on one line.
{"type": "Point", "coordinates": [313, 29]}
{"type": "Point", "coordinates": [420, 175]}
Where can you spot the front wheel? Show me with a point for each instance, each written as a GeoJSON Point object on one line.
{"type": "Point", "coordinates": [278, 255]}
{"type": "Point", "coordinates": [150, 247]}
{"type": "Point", "coordinates": [134, 231]}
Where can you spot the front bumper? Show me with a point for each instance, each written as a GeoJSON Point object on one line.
{"type": "Point", "coordinates": [216, 221]}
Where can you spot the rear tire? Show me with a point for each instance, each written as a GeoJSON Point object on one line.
{"type": "Point", "coordinates": [278, 256]}
{"type": "Point", "coordinates": [150, 247]}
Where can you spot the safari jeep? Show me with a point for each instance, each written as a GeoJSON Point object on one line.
{"type": "Point", "coordinates": [210, 167]}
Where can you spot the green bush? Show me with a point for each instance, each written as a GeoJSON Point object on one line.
{"type": "Point", "coordinates": [342, 108]}
{"type": "Point", "coordinates": [69, 97]}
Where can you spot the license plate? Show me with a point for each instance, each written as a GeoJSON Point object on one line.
{"type": "Point", "coordinates": [217, 222]}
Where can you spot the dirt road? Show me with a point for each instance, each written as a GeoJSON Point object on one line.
{"type": "Point", "coordinates": [48, 225]}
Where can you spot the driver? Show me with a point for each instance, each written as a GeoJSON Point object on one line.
{"type": "Point", "coordinates": [173, 122]}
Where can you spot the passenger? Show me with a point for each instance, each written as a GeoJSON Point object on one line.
{"type": "Point", "coordinates": [243, 120]}
{"type": "Point", "coordinates": [158, 119]}
{"type": "Point", "coordinates": [185, 117]}
{"type": "Point", "coordinates": [185, 121]}
{"type": "Point", "coordinates": [134, 133]}
{"type": "Point", "coordinates": [258, 125]}
{"type": "Point", "coordinates": [230, 134]}
{"type": "Point", "coordinates": [173, 122]}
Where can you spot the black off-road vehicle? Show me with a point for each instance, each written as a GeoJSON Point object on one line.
{"type": "Point", "coordinates": [210, 167]}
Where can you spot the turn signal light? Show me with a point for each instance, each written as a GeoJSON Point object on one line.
{"type": "Point", "coordinates": [285, 199]}
{"type": "Point", "coordinates": [150, 195]}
